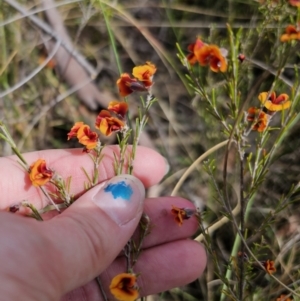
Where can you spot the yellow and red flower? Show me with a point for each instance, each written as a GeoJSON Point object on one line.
{"type": "Point", "coordinates": [283, 298]}
{"type": "Point", "coordinates": [192, 48]}
{"type": "Point", "coordinates": [211, 55]}
{"type": "Point", "coordinates": [84, 134]}
{"type": "Point", "coordinates": [107, 124]}
{"type": "Point", "coordinates": [291, 33]}
{"type": "Point", "coordinates": [269, 266]}
{"type": "Point", "coordinates": [125, 83]}
{"type": "Point", "coordinates": [124, 287]}
{"type": "Point", "coordinates": [274, 103]}
{"type": "Point", "coordinates": [118, 107]}
{"type": "Point", "coordinates": [295, 3]}
{"type": "Point", "coordinates": [145, 73]}
{"type": "Point", "coordinates": [74, 130]}
{"type": "Point", "coordinates": [87, 137]}
{"type": "Point", "coordinates": [51, 64]}
{"type": "Point", "coordinates": [39, 173]}
{"type": "Point", "coordinates": [181, 214]}
{"type": "Point", "coordinates": [261, 119]}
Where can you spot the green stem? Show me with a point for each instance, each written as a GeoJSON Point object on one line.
{"type": "Point", "coordinates": [8, 138]}
{"type": "Point", "coordinates": [111, 36]}
{"type": "Point", "coordinates": [242, 225]}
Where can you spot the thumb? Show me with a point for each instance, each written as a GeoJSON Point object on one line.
{"type": "Point", "coordinates": [90, 234]}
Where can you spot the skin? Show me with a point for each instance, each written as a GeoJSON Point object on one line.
{"type": "Point", "coordinates": [58, 259]}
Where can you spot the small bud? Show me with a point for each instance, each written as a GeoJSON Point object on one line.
{"type": "Point", "coordinates": [13, 208]}
{"type": "Point", "coordinates": [241, 57]}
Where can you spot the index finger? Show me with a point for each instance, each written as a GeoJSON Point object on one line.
{"type": "Point", "coordinates": [15, 185]}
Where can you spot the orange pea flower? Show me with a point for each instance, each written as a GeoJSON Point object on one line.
{"type": "Point", "coordinates": [124, 287]}
{"type": "Point", "coordinates": [145, 73]}
{"type": "Point", "coordinates": [84, 134]}
{"type": "Point", "coordinates": [107, 124]}
{"type": "Point", "coordinates": [119, 108]}
{"type": "Point", "coordinates": [283, 298]}
{"type": "Point", "coordinates": [274, 103]}
{"type": "Point", "coordinates": [192, 48]}
{"type": "Point", "coordinates": [51, 64]}
{"type": "Point", "coordinates": [43, 56]}
{"type": "Point", "coordinates": [181, 214]}
{"type": "Point", "coordinates": [211, 55]}
{"type": "Point", "coordinates": [74, 130]}
{"type": "Point", "coordinates": [39, 174]}
{"type": "Point", "coordinates": [295, 3]}
{"type": "Point", "coordinates": [87, 137]}
{"type": "Point", "coordinates": [269, 266]}
{"type": "Point", "coordinates": [125, 84]}
{"type": "Point", "coordinates": [291, 33]}
{"type": "Point", "coordinates": [261, 118]}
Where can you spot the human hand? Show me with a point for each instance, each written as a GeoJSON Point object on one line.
{"type": "Point", "coordinates": [60, 258]}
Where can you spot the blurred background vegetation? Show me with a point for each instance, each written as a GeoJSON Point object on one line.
{"type": "Point", "coordinates": [44, 90]}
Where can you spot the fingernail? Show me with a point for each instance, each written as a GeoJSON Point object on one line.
{"type": "Point", "coordinates": [121, 198]}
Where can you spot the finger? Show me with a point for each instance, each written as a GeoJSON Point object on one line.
{"type": "Point", "coordinates": [163, 226]}
{"type": "Point", "coordinates": [98, 229]}
{"type": "Point", "coordinates": [164, 267]}
{"type": "Point", "coordinates": [73, 248]}
{"type": "Point", "coordinates": [15, 185]}
{"type": "Point", "coordinates": [161, 268]}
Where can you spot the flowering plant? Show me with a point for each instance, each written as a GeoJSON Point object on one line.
{"type": "Point", "coordinates": [246, 102]}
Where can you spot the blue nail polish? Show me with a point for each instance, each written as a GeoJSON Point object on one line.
{"type": "Point", "coordinates": [120, 190]}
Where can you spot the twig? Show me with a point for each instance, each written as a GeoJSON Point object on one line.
{"type": "Point", "coordinates": [101, 288]}
{"type": "Point", "coordinates": [195, 164]}
{"type": "Point", "coordinates": [242, 225]}
{"type": "Point", "coordinates": [270, 70]}
{"type": "Point", "coordinates": [209, 230]}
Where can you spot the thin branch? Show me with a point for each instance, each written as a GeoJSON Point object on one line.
{"type": "Point", "coordinates": [195, 164]}
{"type": "Point", "coordinates": [209, 230]}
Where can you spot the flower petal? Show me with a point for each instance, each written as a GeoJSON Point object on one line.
{"type": "Point", "coordinates": [107, 124]}
{"type": "Point", "coordinates": [39, 174]}
{"type": "Point", "coordinates": [291, 33]}
{"type": "Point", "coordinates": [124, 288]}
{"type": "Point", "coordinates": [274, 103]}
{"type": "Point", "coordinates": [192, 48]}
{"type": "Point", "coordinates": [145, 73]}
{"type": "Point", "coordinates": [74, 130]}
{"type": "Point", "coordinates": [124, 84]}
{"type": "Point", "coordinates": [295, 3]}
{"type": "Point", "coordinates": [181, 214]}
{"type": "Point", "coordinates": [269, 266]}
{"type": "Point", "coordinates": [212, 56]}
{"type": "Point", "coordinates": [260, 119]}
{"type": "Point", "coordinates": [119, 108]}
{"type": "Point", "coordinates": [87, 137]}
